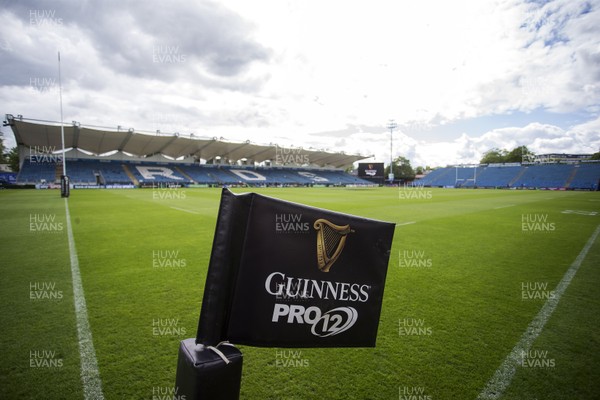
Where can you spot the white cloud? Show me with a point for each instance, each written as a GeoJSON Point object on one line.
{"type": "Point", "coordinates": [539, 138]}
{"type": "Point", "coordinates": [297, 72]}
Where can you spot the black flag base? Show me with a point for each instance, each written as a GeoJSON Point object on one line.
{"type": "Point", "coordinates": [207, 372]}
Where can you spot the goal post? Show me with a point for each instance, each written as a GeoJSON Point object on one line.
{"type": "Point", "coordinates": [463, 179]}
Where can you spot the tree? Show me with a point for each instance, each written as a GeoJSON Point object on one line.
{"type": "Point", "coordinates": [493, 156]}
{"type": "Point", "coordinates": [402, 169]}
{"type": "Point", "coordinates": [13, 159]}
{"type": "Point", "coordinates": [518, 154]}
{"type": "Point", "coordinates": [595, 156]}
{"type": "Point", "coordinates": [2, 150]}
{"type": "Point", "coordinates": [497, 156]}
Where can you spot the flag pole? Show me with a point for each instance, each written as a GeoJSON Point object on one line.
{"type": "Point", "coordinates": [64, 181]}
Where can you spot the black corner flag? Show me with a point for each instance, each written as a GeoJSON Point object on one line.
{"type": "Point", "coordinates": [283, 274]}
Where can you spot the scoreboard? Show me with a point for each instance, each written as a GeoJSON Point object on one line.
{"type": "Point", "coordinates": [371, 172]}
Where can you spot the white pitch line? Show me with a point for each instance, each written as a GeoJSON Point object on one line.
{"type": "Point", "coordinates": [407, 223]}
{"type": "Point", "coordinates": [508, 205]}
{"type": "Point", "coordinates": [90, 375]}
{"type": "Point", "coordinates": [184, 210]}
{"type": "Point", "coordinates": [504, 374]}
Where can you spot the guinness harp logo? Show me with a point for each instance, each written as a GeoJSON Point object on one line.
{"type": "Point", "coordinates": [330, 242]}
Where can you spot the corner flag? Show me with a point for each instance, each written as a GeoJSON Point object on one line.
{"type": "Point", "coordinates": [283, 274]}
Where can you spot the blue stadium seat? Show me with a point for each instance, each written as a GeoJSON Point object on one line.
{"type": "Point", "coordinates": [586, 176]}
{"type": "Point", "coordinates": [93, 171]}
{"type": "Point", "coordinates": [545, 176]}
{"type": "Point", "coordinates": [497, 176]}
{"type": "Point", "coordinates": [570, 176]}
{"type": "Point", "coordinates": [37, 172]}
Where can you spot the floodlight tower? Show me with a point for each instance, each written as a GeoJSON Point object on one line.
{"type": "Point", "coordinates": [391, 126]}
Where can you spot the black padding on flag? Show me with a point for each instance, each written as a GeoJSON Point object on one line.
{"type": "Point", "coordinates": [65, 188]}
{"type": "Point", "coordinates": [283, 274]}
{"type": "Point", "coordinates": [224, 264]}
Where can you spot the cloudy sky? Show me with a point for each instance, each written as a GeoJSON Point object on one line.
{"type": "Point", "coordinates": [457, 77]}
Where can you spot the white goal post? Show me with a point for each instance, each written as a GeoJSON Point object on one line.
{"type": "Point", "coordinates": [470, 177]}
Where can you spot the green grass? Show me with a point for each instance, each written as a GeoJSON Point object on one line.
{"type": "Point", "coordinates": [469, 298]}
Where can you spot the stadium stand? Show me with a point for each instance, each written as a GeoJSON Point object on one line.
{"type": "Point", "coordinates": [112, 172]}
{"type": "Point", "coordinates": [201, 176]}
{"type": "Point", "coordinates": [104, 157]}
{"type": "Point", "coordinates": [32, 172]}
{"type": "Point", "coordinates": [545, 176]}
{"type": "Point", "coordinates": [105, 172]}
{"type": "Point", "coordinates": [157, 173]}
{"type": "Point", "coordinates": [439, 177]}
{"type": "Point", "coordinates": [496, 176]}
{"type": "Point", "coordinates": [586, 176]}
{"type": "Point", "coordinates": [8, 178]}
{"type": "Point", "coordinates": [579, 176]}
